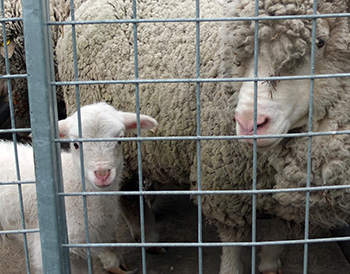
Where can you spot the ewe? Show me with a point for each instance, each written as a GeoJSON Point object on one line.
{"type": "Point", "coordinates": [103, 165]}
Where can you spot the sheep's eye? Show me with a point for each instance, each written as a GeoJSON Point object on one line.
{"type": "Point", "coordinates": [7, 42]}
{"type": "Point", "coordinates": [76, 146]}
{"type": "Point", "coordinates": [320, 42]}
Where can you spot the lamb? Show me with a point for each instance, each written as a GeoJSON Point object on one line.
{"type": "Point", "coordinates": [166, 50]}
{"type": "Point", "coordinates": [103, 163]}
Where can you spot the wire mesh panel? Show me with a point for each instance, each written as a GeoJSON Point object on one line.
{"type": "Point", "coordinates": [247, 169]}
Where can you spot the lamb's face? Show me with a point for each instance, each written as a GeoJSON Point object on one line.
{"type": "Point", "coordinates": [103, 162]}
{"type": "Point", "coordinates": [281, 105]}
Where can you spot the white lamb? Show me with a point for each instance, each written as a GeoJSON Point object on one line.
{"type": "Point", "coordinates": [103, 163]}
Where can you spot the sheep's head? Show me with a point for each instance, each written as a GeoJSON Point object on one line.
{"type": "Point", "coordinates": [103, 161]}
{"type": "Point", "coordinates": [284, 49]}
{"type": "Point", "coordinates": [14, 44]}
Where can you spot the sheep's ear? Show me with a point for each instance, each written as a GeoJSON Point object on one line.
{"type": "Point", "coordinates": [130, 122]}
{"type": "Point", "coordinates": [63, 127]}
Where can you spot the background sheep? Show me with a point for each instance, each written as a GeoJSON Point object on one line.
{"type": "Point", "coordinates": [60, 10]}
{"type": "Point", "coordinates": [167, 50]}
{"type": "Point", "coordinates": [103, 163]}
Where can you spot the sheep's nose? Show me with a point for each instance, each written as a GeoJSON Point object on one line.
{"type": "Point", "coordinates": [247, 124]}
{"type": "Point", "coordinates": [102, 174]}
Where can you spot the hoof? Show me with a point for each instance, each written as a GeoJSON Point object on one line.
{"type": "Point", "coordinates": [156, 250]}
{"type": "Point", "coordinates": [120, 270]}
{"type": "Point", "coordinates": [279, 271]}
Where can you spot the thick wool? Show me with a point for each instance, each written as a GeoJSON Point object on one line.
{"type": "Point", "coordinates": [290, 41]}
{"type": "Point", "coordinates": [109, 55]}
{"type": "Point", "coordinates": [167, 51]}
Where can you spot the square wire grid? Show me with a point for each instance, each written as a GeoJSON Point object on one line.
{"type": "Point", "coordinates": [46, 143]}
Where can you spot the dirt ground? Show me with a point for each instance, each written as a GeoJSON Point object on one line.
{"type": "Point", "coordinates": [177, 222]}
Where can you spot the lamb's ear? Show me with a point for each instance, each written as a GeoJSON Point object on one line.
{"type": "Point", "coordinates": [130, 122]}
{"type": "Point", "coordinates": [63, 128]}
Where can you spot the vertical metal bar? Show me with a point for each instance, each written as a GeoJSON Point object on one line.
{"type": "Point", "coordinates": [14, 136]}
{"type": "Point", "coordinates": [256, 74]}
{"type": "Point", "coordinates": [139, 155]}
{"type": "Point", "coordinates": [199, 173]}
{"type": "Point", "coordinates": [40, 71]}
{"type": "Point", "coordinates": [309, 151]}
{"type": "Point", "coordinates": [81, 146]}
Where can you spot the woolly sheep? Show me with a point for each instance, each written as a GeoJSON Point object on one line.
{"type": "Point", "coordinates": [167, 50]}
{"type": "Point", "coordinates": [60, 10]}
{"type": "Point", "coordinates": [103, 163]}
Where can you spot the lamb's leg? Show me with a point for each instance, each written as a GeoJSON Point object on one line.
{"type": "Point", "coordinates": [270, 262]}
{"type": "Point", "coordinates": [231, 256]}
{"type": "Point", "coordinates": [35, 252]}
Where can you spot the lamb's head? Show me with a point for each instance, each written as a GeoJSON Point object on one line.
{"type": "Point", "coordinates": [103, 161]}
{"type": "Point", "coordinates": [284, 49]}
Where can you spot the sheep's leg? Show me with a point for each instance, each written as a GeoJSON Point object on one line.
{"type": "Point", "coordinates": [113, 262]}
{"type": "Point", "coordinates": [231, 256]}
{"type": "Point", "coordinates": [130, 208]}
{"type": "Point", "coordinates": [270, 259]}
{"type": "Point", "coordinates": [270, 262]}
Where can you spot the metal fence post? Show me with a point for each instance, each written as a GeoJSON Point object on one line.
{"type": "Point", "coordinates": [40, 71]}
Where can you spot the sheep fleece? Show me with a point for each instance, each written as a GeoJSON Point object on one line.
{"type": "Point", "coordinates": [167, 51]}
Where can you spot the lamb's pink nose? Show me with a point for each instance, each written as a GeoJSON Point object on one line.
{"type": "Point", "coordinates": [247, 124]}
{"type": "Point", "coordinates": [102, 174]}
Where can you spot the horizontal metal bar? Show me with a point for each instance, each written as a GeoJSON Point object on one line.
{"type": "Point", "coordinates": [15, 130]}
{"type": "Point", "coordinates": [207, 192]}
{"type": "Point", "coordinates": [196, 138]}
{"type": "Point", "coordinates": [12, 19]}
{"type": "Point", "coordinates": [12, 76]}
{"type": "Point", "coordinates": [211, 244]}
{"type": "Point", "coordinates": [19, 231]}
{"type": "Point", "coordinates": [16, 183]}
{"type": "Point", "coordinates": [196, 20]}
{"type": "Point", "coordinates": [201, 80]}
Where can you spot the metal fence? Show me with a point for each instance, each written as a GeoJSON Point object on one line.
{"type": "Point", "coordinates": [42, 89]}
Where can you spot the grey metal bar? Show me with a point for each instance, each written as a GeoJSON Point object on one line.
{"type": "Point", "coordinates": [17, 182]}
{"type": "Point", "coordinates": [199, 170]}
{"type": "Point", "coordinates": [309, 150]}
{"type": "Point", "coordinates": [15, 130]}
{"type": "Point", "coordinates": [19, 231]}
{"type": "Point", "coordinates": [209, 192]}
{"type": "Point", "coordinates": [255, 116]}
{"type": "Point", "coordinates": [202, 80]}
{"type": "Point", "coordinates": [223, 137]}
{"type": "Point", "coordinates": [186, 20]}
{"type": "Point", "coordinates": [81, 145]}
{"type": "Point", "coordinates": [214, 244]}
{"type": "Point", "coordinates": [139, 152]}
{"type": "Point", "coordinates": [44, 127]}
{"type": "Point", "coordinates": [12, 76]}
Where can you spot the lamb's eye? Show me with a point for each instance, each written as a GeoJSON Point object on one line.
{"type": "Point", "coordinates": [320, 43]}
{"type": "Point", "coordinates": [118, 144]}
{"type": "Point", "coordinates": [76, 145]}
{"type": "Point", "coordinates": [7, 42]}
